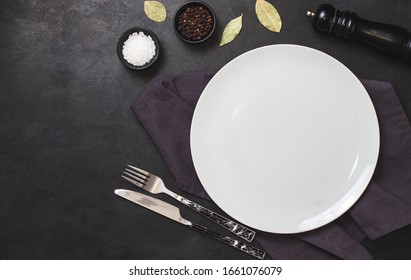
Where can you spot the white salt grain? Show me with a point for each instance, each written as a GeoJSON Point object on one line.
{"type": "Point", "coordinates": [139, 49]}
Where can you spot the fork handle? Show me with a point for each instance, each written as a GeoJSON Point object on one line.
{"type": "Point", "coordinates": [234, 227]}
{"type": "Point", "coordinates": [253, 251]}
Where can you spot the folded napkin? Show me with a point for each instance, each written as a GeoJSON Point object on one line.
{"type": "Point", "coordinates": [165, 109]}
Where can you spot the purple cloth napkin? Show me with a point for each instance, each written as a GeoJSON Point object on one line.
{"type": "Point", "coordinates": [165, 109]}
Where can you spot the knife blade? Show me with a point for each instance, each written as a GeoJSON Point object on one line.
{"type": "Point", "coordinates": [172, 212]}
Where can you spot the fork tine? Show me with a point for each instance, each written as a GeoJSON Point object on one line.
{"type": "Point", "coordinates": [139, 170]}
{"type": "Point", "coordinates": [138, 175]}
{"type": "Point", "coordinates": [138, 184]}
{"type": "Point", "coordinates": [137, 178]}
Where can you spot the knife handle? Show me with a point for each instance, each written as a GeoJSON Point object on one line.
{"type": "Point", "coordinates": [255, 252]}
{"type": "Point", "coordinates": [388, 38]}
{"type": "Point", "coordinates": [234, 227]}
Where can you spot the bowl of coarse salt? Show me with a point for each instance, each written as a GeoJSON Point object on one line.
{"type": "Point", "coordinates": [138, 48]}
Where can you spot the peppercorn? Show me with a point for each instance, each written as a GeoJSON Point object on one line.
{"type": "Point", "coordinates": [195, 23]}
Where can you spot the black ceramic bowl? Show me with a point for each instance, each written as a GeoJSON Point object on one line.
{"type": "Point", "coordinates": [179, 27]}
{"type": "Point", "coordinates": [124, 38]}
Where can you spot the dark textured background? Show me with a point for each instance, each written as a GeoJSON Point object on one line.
{"type": "Point", "coordinates": [67, 130]}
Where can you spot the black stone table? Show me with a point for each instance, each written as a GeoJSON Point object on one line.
{"type": "Point", "coordinates": [67, 130]}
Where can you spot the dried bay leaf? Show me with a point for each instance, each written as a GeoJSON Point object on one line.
{"type": "Point", "coordinates": [231, 30]}
{"type": "Point", "coordinates": [155, 10]}
{"type": "Point", "coordinates": [268, 15]}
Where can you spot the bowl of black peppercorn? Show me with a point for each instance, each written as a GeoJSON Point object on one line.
{"type": "Point", "coordinates": [194, 22]}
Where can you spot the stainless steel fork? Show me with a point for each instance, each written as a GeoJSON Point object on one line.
{"type": "Point", "coordinates": [155, 185]}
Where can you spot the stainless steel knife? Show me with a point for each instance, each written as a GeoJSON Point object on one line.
{"type": "Point", "coordinates": [170, 211]}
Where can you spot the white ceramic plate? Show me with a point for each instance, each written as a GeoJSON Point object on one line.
{"type": "Point", "coordinates": [285, 138]}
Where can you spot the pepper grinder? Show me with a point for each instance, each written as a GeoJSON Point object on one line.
{"type": "Point", "coordinates": [388, 38]}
